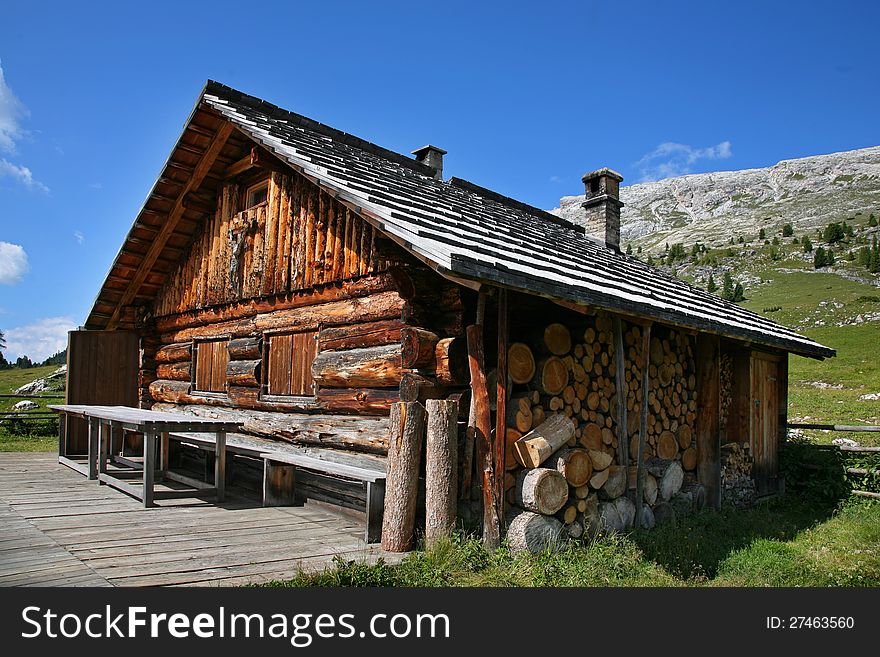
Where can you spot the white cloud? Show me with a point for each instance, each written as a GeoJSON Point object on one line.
{"type": "Point", "coordinates": [96, 186]}
{"type": "Point", "coordinates": [670, 159]}
{"type": "Point", "coordinates": [38, 340]}
{"type": "Point", "coordinates": [13, 263]}
{"type": "Point", "coordinates": [21, 174]}
{"type": "Point", "coordinates": [11, 112]}
{"type": "Point", "coordinates": [79, 237]}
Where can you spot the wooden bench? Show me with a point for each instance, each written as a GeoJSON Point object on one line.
{"type": "Point", "coordinates": [280, 463]}
{"type": "Point", "coordinates": [279, 484]}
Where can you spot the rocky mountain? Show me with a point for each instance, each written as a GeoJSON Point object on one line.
{"type": "Point", "coordinates": [712, 207]}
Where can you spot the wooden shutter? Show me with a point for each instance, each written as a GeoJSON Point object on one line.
{"type": "Point", "coordinates": [212, 357]}
{"type": "Point", "coordinates": [290, 363]}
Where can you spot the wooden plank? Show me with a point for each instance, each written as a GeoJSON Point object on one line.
{"type": "Point", "coordinates": [502, 393]}
{"type": "Point", "coordinates": [707, 434]}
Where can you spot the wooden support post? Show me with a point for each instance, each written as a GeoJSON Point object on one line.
{"type": "Point", "coordinates": [375, 507]}
{"type": "Point", "coordinates": [105, 445]}
{"type": "Point", "coordinates": [620, 391]}
{"type": "Point", "coordinates": [404, 455]}
{"type": "Point", "coordinates": [94, 430]}
{"type": "Point", "coordinates": [163, 451]}
{"type": "Point", "coordinates": [708, 436]}
{"type": "Point", "coordinates": [501, 395]}
{"type": "Point", "coordinates": [643, 422]}
{"type": "Point", "coordinates": [149, 467]}
{"type": "Point", "coordinates": [482, 434]}
{"type": "Point", "coordinates": [440, 469]}
{"type": "Point", "coordinates": [467, 466]}
{"type": "Point", "coordinates": [220, 466]}
{"type": "Point", "coordinates": [279, 483]}
{"type": "Point", "coordinates": [62, 435]}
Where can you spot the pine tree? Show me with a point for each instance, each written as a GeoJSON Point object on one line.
{"type": "Point", "coordinates": [874, 265]}
{"type": "Point", "coordinates": [872, 220]}
{"type": "Point", "coordinates": [787, 230]}
{"type": "Point", "coordinates": [808, 245]}
{"type": "Point", "coordinates": [739, 293]}
{"type": "Point", "coordinates": [727, 288]}
{"type": "Point", "coordinates": [819, 258]}
{"type": "Point", "coordinates": [629, 249]}
{"type": "Point", "coordinates": [711, 285]}
{"type": "Point", "coordinates": [762, 234]}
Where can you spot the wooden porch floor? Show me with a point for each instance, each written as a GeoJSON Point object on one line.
{"type": "Point", "coordinates": [59, 529]}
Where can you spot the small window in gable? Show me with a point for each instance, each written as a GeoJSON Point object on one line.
{"type": "Point", "coordinates": [256, 194]}
{"type": "Point", "coordinates": [289, 358]}
{"type": "Point", "coordinates": [211, 359]}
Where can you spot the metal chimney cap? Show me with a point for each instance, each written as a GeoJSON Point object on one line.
{"type": "Point", "coordinates": [428, 148]}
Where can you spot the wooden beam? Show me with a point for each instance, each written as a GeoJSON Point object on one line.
{"type": "Point", "coordinates": [620, 390]}
{"type": "Point", "coordinates": [708, 436]}
{"type": "Point", "coordinates": [501, 394]}
{"type": "Point", "coordinates": [174, 215]}
{"type": "Point", "coordinates": [483, 429]}
{"type": "Point", "coordinates": [258, 158]}
{"type": "Point", "coordinates": [643, 422]}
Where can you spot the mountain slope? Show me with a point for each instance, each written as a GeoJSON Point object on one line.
{"type": "Point", "coordinates": [712, 207]}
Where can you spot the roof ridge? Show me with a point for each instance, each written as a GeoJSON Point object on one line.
{"type": "Point", "coordinates": [323, 128]}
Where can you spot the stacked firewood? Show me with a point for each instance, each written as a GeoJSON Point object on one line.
{"type": "Point", "coordinates": [737, 486]}
{"type": "Point", "coordinates": [566, 476]}
{"type": "Point", "coordinates": [672, 403]}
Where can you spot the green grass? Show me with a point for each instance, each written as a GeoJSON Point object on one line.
{"type": "Point", "coordinates": [38, 436]}
{"type": "Point", "coordinates": [782, 543]}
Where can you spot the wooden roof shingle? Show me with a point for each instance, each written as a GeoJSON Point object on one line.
{"type": "Point", "coordinates": [467, 232]}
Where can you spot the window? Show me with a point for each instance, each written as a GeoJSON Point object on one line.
{"type": "Point", "coordinates": [256, 194]}
{"type": "Point", "coordinates": [289, 364]}
{"type": "Point", "coordinates": [211, 360]}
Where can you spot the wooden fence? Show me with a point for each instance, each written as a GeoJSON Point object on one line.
{"type": "Point", "coordinates": [854, 472]}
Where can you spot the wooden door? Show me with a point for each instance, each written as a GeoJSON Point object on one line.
{"type": "Point", "coordinates": [102, 370]}
{"type": "Point", "coordinates": [764, 417]}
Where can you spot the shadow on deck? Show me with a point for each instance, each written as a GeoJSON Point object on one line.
{"type": "Point", "coordinates": [59, 529]}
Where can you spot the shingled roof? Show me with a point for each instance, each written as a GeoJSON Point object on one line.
{"type": "Point", "coordinates": [468, 232]}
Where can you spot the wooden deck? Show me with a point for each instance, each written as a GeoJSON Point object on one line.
{"type": "Point", "coordinates": [59, 529]}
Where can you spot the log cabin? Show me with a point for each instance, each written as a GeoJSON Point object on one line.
{"type": "Point", "coordinates": [304, 281]}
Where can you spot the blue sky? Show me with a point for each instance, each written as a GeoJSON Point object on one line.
{"type": "Point", "coordinates": [526, 97]}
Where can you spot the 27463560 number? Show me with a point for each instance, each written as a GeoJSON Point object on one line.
{"type": "Point", "coordinates": [821, 622]}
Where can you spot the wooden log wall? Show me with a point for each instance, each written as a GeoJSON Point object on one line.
{"type": "Point", "coordinates": [368, 355]}
{"type": "Point", "coordinates": [299, 238]}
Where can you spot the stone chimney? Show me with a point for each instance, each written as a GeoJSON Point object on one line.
{"type": "Point", "coordinates": [433, 157]}
{"type": "Point", "coordinates": [602, 207]}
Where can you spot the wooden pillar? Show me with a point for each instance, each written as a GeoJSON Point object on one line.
{"type": "Point", "coordinates": [482, 434]}
{"type": "Point", "coordinates": [708, 354]}
{"type": "Point", "coordinates": [440, 468]}
{"type": "Point", "coordinates": [501, 395]}
{"type": "Point", "coordinates": [620, 391]}
{"type": "Point", "coordinates": [402, 482]}
{"type": "Point", "coordinates": [782, 379]}
{"type": "Point", "coordinates": [643, 421]}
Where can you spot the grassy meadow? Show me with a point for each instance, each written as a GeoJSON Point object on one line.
{"type": "Point", "coordinates": [37, 436]}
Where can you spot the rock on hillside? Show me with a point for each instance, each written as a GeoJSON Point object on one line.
{"type": "Point", "coordinates": [712, 207]}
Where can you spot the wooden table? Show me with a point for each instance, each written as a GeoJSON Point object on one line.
{"type": "Point", "coordinates": [106, 422]}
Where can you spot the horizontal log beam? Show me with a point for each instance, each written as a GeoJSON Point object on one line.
{"type": "Point", "coordinates": [357, 433]}
{"type": "Point", "coordinates": [174, 353]}
{"type": "Point", "coordinates": [358, 336]}
{"type": "Point", "coordinates": [384, 305]}
{"type": "Point", "coordinates": [376, 367]}
{"type": "Point", "coordinates": [251, 307]}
